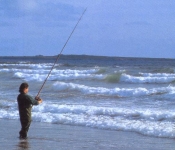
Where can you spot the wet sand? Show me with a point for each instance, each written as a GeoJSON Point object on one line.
{"type": "Point", "coordinates": [45, 136]}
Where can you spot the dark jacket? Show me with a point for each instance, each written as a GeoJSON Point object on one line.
{"type": "Point", "coordinates": [25, 103]}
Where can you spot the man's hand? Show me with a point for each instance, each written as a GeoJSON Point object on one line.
{"type": "Point", "coordinates": [39, 99]}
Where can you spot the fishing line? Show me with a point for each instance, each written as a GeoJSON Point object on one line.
{"type": "Point", "coordinates": [61, 52]}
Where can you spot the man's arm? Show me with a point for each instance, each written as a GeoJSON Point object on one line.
{"type": "Point", "coordinates": [34, 101]}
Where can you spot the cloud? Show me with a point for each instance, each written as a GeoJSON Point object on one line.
{"type": "Point", "coordinates": [38, 13]}
{"type": "Point", "coordinates": [45, 25]}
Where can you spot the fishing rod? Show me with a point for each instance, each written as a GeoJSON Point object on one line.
{"type": "Point", "coordinates": [61, 52]}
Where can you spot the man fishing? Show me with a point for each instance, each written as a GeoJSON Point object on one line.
{"type": "Point", "coordinates": [25, 103]}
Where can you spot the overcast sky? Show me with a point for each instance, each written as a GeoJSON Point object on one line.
{"type": "Point", "coordinates": [126, 28]}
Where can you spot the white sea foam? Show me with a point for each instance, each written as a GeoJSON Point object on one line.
{"type": "Point", "coordinates": [71, 74]}
{"type": "Point", "coordinates": [148, 79]}
{"type": "Point", "coordinates": [145, 121]}
{"type": "Point", "coordinates": [157, 74]}
{"type": "Point", "coordinates": [108, 101]}
{"type": "Point", "coordinates": [29, 77]}
{"type": "Point", "coordinates": [40, 75]}
{"type": "Point", "coordinates": [121, 92]}
{"type": "Point", "coordinates": [158, 129]}
{"type": "Point", "coordinates": [34, 66]}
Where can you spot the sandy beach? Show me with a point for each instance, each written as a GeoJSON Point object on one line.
{"type": "Point", "coordinates": [45, 136]}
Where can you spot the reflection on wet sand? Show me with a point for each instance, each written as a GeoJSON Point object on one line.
{"type": "Point", "coordinates": [23, 145]}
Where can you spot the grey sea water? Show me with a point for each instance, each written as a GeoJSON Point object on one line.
{"type": "Point", "coordinates": [110, 93]}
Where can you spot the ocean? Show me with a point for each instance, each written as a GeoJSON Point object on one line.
{"type": "Point", "coordinates": [109, 93]}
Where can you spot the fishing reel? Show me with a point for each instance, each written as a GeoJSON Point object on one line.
{"type": "Point", "coordinates": [37, 98]}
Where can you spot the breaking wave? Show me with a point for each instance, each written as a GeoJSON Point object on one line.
{"type": "Point", "coordinates": [38, 72]}
{"type": "Point", "coordinates": [120, 92]}
{"type": "Point", "coordinates": [145, 121]}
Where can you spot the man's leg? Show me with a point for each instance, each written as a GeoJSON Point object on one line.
{"type": "Point", "coordinates": [25, 124]}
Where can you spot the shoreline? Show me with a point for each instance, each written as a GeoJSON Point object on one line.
{"type": "Point", "coordinates": [46, 136]}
